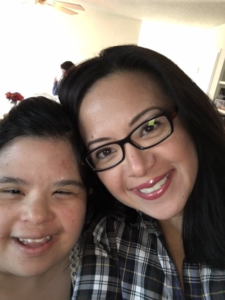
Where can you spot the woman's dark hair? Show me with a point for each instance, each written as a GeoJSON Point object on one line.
{"type": "Point", "coordinates": [66, 65]}
{"type": "Point", "coordinates": [204, 213]}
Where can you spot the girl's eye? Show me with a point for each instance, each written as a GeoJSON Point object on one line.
{"type": "Point", "coordinates": [12, 191]}
{"type": "Point", "coordinates": [72, 194]}
{"type": "Point", "coordinates": [11, 194]}
{"type": "Point", "coordinates": [63, 192]}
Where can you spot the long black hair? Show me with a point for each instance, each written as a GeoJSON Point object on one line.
{"type": "Point", "coordinates": [204, 213]}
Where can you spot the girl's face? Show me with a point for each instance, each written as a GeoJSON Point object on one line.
{"type": "Point", "coordinates": [42, 206]}
{"type": "Point", "coordinates": [156, 181]}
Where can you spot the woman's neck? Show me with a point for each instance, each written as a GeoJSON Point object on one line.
{"type": "Point", "coordinates": [55, 284]}
{"type": "Point", "coordinates": [172, 231]}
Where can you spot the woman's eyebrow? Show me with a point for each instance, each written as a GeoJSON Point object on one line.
{"type": "Point", "coordinates": [6, 179]}
{"type": "Point", "coordinates": [97, 141]}
{"type": "Point", "coordinates": [138, 116]}
{"type": "Point", "coordinates": [132, 122]}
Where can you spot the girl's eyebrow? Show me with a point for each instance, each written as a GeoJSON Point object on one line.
{"type": "Point", "coordinates": [62, 183]}
{"type": "Point", "coordinates": [6, 179]}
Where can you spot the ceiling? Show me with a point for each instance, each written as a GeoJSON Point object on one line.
{"type": "Point", "coordinates": [199, 13]}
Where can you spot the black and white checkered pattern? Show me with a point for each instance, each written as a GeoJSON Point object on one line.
{"type": "Point", "coordinates": [122, 261]}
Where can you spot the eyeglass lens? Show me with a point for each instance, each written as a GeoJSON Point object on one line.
{"type": "Point", "coordinates": [146, 135]}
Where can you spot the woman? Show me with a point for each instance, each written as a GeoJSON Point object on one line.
{"type": "Point", "coordinates": [42, 201]}
{"type": "Point", "coordinates": [65, 66]}
{"type": "Point", "coordinates": [157, 144]}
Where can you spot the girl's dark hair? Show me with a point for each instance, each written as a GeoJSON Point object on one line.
{"type": "Point", "coordinates": [39, 117]}
{"type": "Point", "coordinates": [204, 213]}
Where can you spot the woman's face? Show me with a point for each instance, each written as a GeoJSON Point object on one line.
{"type": "Point", "coordinates": [63, 72]}
{"type": "Point", "coordinates": [156, 181]}
{"type": "Point", "coordinates": [42, 206]}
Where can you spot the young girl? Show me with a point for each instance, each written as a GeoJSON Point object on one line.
{"type": "Point", "coordinates": [42, 201]}
{"type": "Point", "coordinates": [157, 144]}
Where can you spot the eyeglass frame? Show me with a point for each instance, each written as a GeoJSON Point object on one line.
{"type": "Point", "coordinates": [170, 115]}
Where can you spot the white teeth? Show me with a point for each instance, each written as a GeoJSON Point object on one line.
{"type": "Point", "coordinates": [154, 187]}
{"type": "Point", "coordinates": [29, 241]}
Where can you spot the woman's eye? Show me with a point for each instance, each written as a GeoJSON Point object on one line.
{"type": "Point", "coordinates": [148, 129]}
{"type": "Point", "coordinates": [104, 153]}
{"type": "Point", "coordinates": [150, 126]}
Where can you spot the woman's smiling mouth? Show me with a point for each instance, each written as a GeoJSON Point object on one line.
{"type": "Point", "coordinates": [155, 188]}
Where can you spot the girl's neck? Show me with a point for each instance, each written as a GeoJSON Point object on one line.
{"type": "Point", "coordinates": [55, 284]}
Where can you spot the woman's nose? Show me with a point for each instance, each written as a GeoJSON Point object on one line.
{"type": "Point", "coordinates": [138, 161]}
{"type": "Point", "coordinates": [36, 209]}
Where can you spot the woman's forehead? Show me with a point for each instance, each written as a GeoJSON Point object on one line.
{"type": "Point", "coordinates": [114, 101]}
{"type": "Point", "coordinates": [121, 89]}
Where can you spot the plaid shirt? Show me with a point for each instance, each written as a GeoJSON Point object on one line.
{"type": "Point", "coordinates": [129, 261]}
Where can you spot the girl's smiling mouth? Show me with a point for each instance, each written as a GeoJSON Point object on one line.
{"type": "Point", "coordinates": [34, 242]}
{"type": "Point", "coordinates": [34, 246]}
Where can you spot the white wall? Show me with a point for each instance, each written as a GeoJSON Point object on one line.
{"type": "Point", "coordinates": [217, 37]}
{"type": "Point", "coordinates": [35, 40]}
{"type": "Point", "coordinates": [193, 49]}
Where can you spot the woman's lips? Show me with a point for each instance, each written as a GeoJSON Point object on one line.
{"type": "Point", "coordinates": [154, 188]}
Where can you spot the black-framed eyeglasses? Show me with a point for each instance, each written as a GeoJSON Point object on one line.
{"type": "Point", "coordinates": [148, 134]}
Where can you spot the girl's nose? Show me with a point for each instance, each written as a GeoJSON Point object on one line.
{"type": "Point", "coordinates": [138, 161]}
{"type": "Point", "coordinates": [36, 210]}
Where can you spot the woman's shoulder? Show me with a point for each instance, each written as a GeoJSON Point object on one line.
{"type": "Point", "coordinates": [107, 232]}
